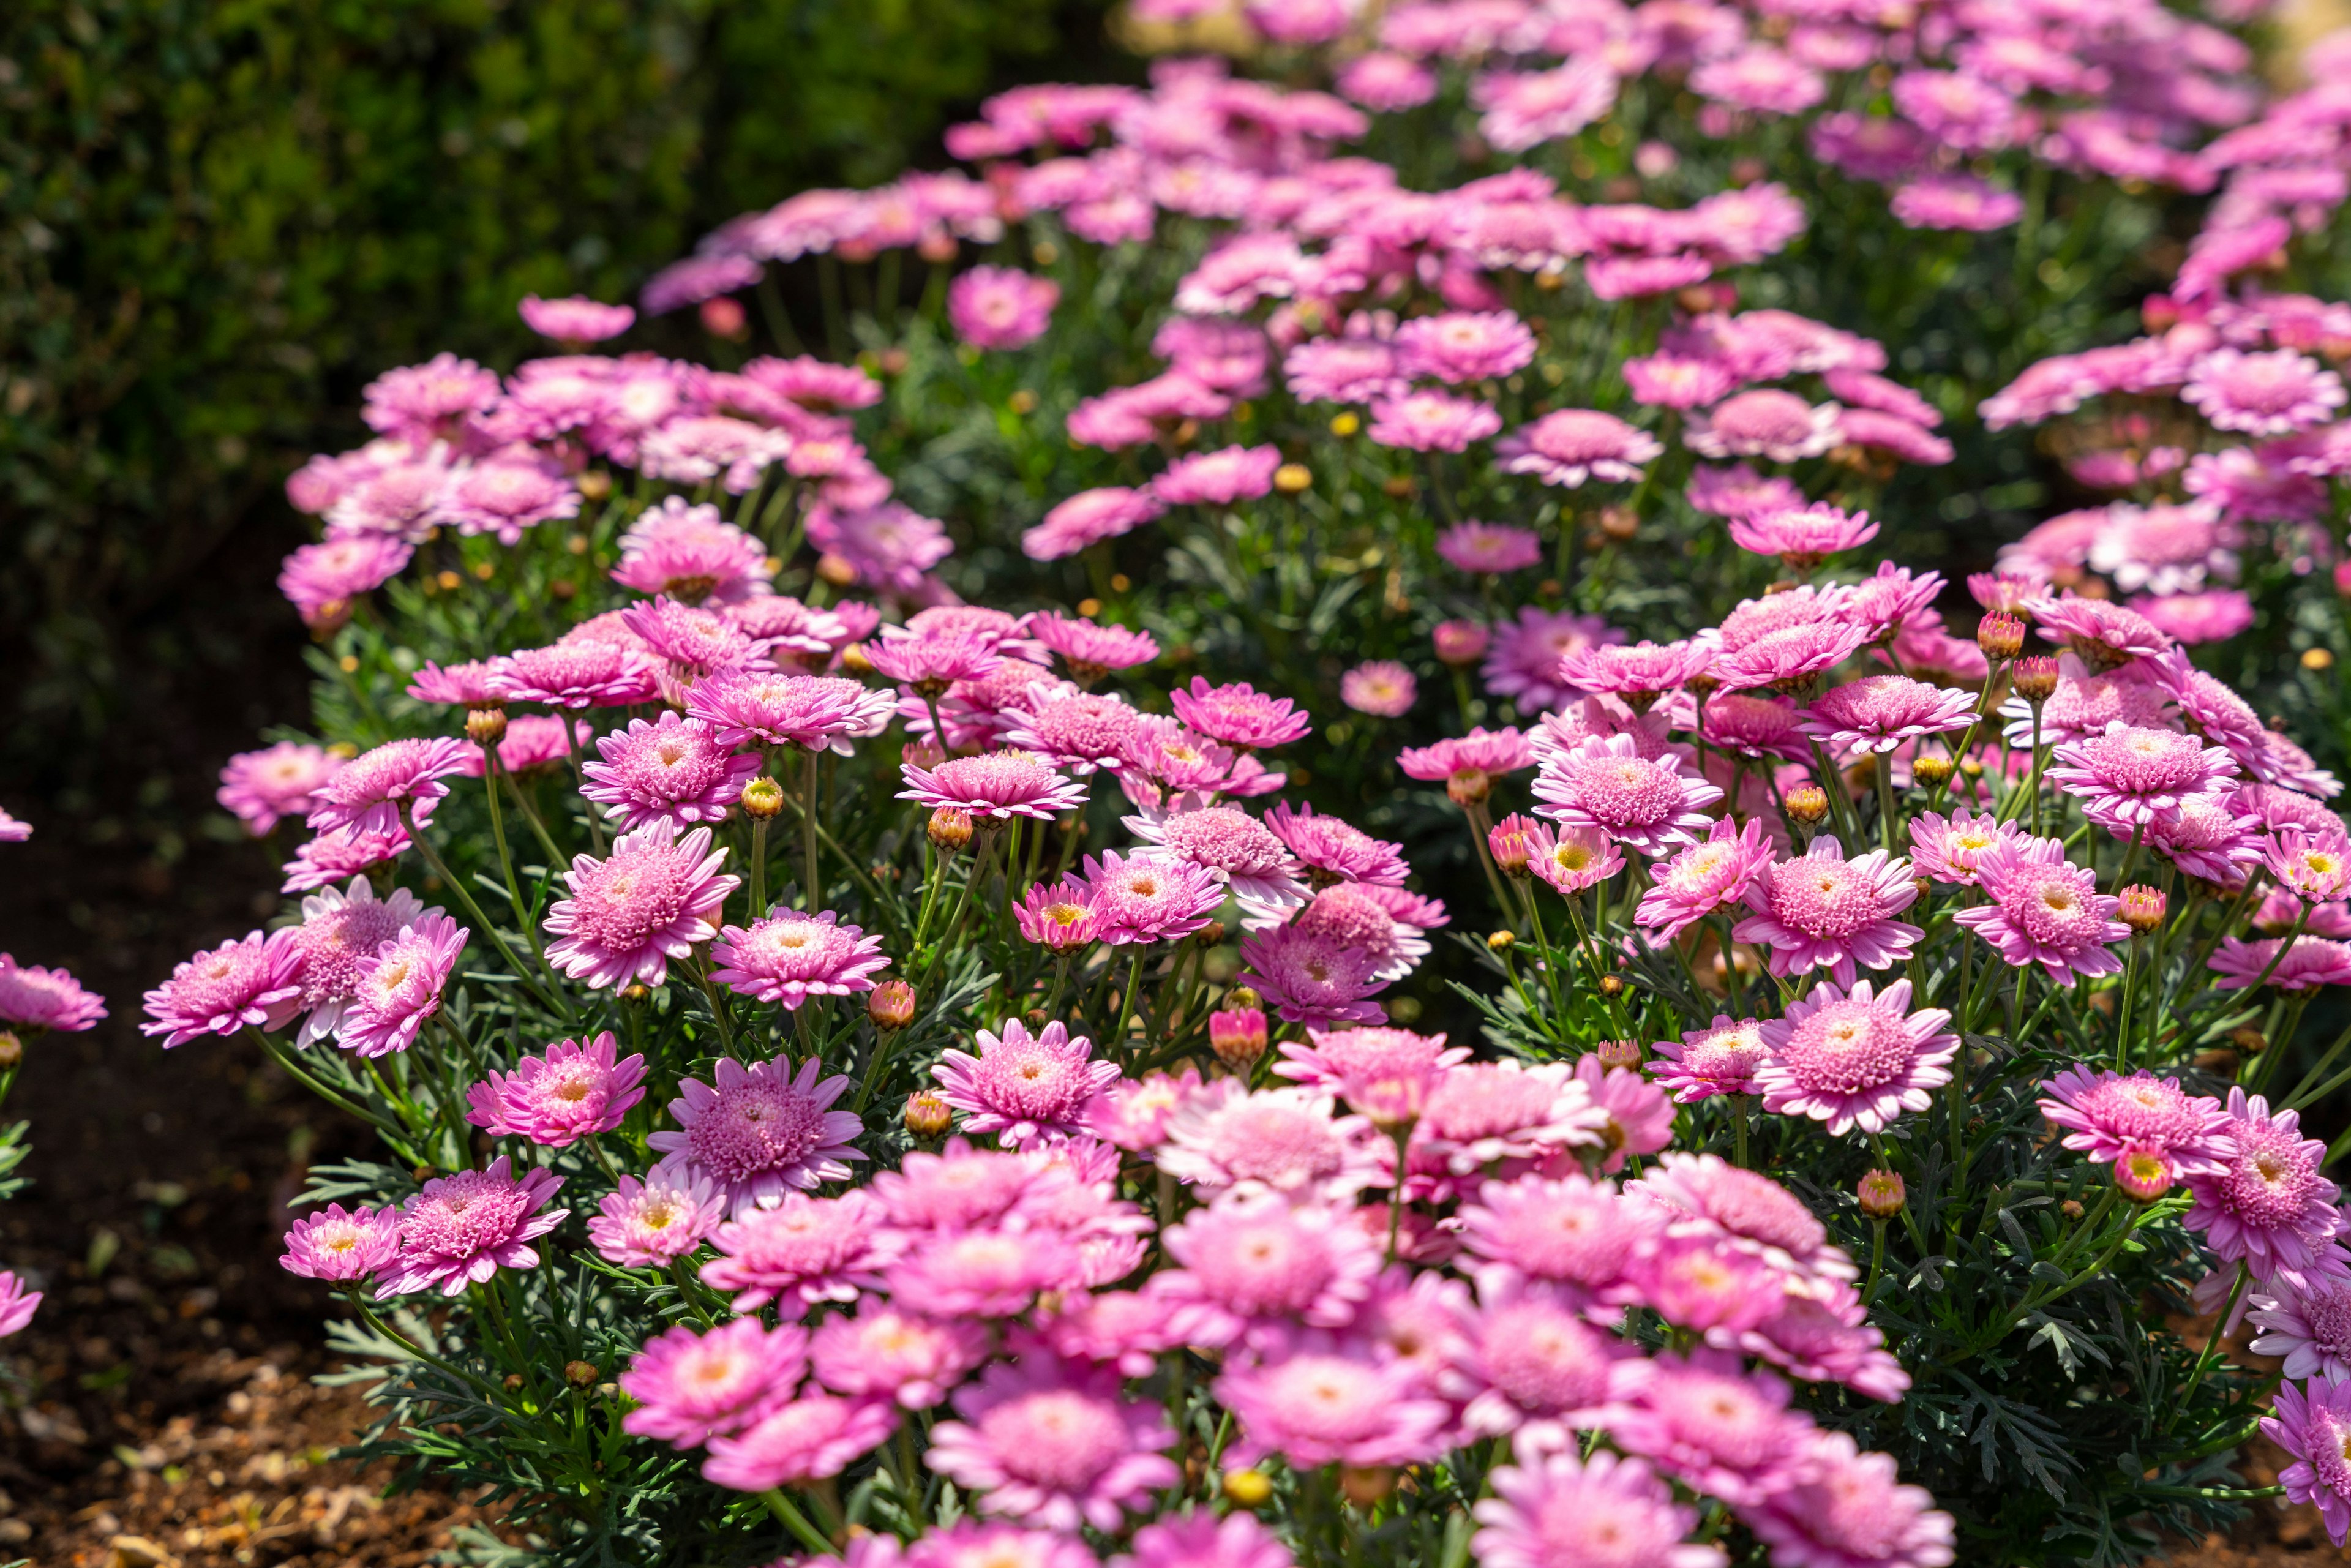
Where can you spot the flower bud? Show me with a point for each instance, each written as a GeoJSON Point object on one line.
{"type": "Point", "coordinates": [1469, 786]}
{"type": "Point", "coordinates": [1461, 643]}
{"type": "Point", "coordinates": [594, 485]}
{"type": "Point", "coordinates": [12, 1052]}
{"type": "Point", "coordinates": [1345, 424]}
{"type": "Point", "coordinates": [950, 829]}
{"type": "Point", "coordinates": [2248, 1039]}
{"type": "Point", "coordinates": [1212, 935]}
{"type": "Point", "coordinates": [1512, 845]}
{"type": "Point", "coordinates": [1881, 1193]}
{"type": "Point", "coordinates": [1619, 1053]}
{"type": "Point", "coordinates": [840, 572]}
{"type": "Point", "coordinates": [1808, 805]}
{"type": "Point", "coordinates": [890, 1006]}
{"type": "Point", "coordinates": [2000, 636]}
{"type": "Point", "coordinates": [926, 1115]}
{"type": "Point", "coordinates": [2144, 1172]}
{"type": "Point", "coordinates": [1295, 478]}
{"type": "Point", "coordinates": [1927, 772]}
{"type": "Point", "coordinates": [636, 991]}
{"type": "Point", "coordinates": [2316, 660]}
{"type": "Point", "coordinates": [1248, 1489]}
{"type": "Point", "coordinates": [2035, 679]}
{"type": "Point", "coordinates": [485, 727]}
{"type": "Point", "coordinates": [922, 753]}
{"type": "Point", "coordinates": [514, 1383]}
{"type": "Point", "coordinates": [1240, 998]}
{"type": "Point", "coordinates": [1612, 985]}
{"type": "Point", "coordinates": [763, 799]}
{"type": "Point", "coordinates": [579, 1374]}
{"type": "Point", "coordinates": [1500, 941]}
{"type": "Point", "coordinates": [1621, 524]}
{"type": "Point", "coordinates": [854, 660]}
{"type": "Point", "coordinates": [1238, 1036]}
{"type": "Point", "coordinates": [1364, 1485]}
{"type": "Point", "coordinates": [2142, 908]}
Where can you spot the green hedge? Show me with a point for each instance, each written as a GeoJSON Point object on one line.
{"type": "Point", "coordinates": [218, 218]}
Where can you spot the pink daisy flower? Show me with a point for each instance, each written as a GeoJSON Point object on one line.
{"type": "Point", "coordinates": [1876, 714]}
{"type": "Point", "coordinates": [651, 1224]}
{"type": "Point", "coordinates": [1431, 421]}
{"type": "Point", "coordinates": [692, 642]}
{"type": "Point", "coordinates": [809, 1440]}
{"type": "Point", "coordinates": [968, 1544]}
{"type": "Point", "coordinates": [2102, 635]}
{"type": "Point", "coordinates": [789, 957]}
{"type": "Point", "coordinates": [688, 553]}
{"type": "Point", "coordinates": [1219, 478]}
{"type": "Point", "coordinates": [1133, 1115]}
{"type": "Point", "coordinates": [332, 857]}
{"type": "Point", "coordinates": [1804, 538]}
{"type": "Point", "coordinates": [372, 790]}
{"type": "Point", "coordinates": [1052, 1443]}
{"type": "Point", "coordinates": [1483, 1111]}
{"type": "Point", "coordinates": [2310, 963]}
{"type": "Point", "coordinates": [1952, 849]}
{"type": "Point", "coordinates": [986, 1274]}
{"type": "Point", "coordinates": [1001, 306]}
{"type": "Point", "coordinates": [1325, 1400]}
{"type": "Point", "coordinates": [1060, 916]}
{"type": "Point", "coordinates": [1091, 651]}
{"type": "Point", "coordinates": [2106, 1115]}
{"type": "Point", "coordinates": [1847, 1509]}
{"type": "Point", "coordinates": [2131, 775]}
{"type": "Point", "coordinates": [1492, 548]}
{"type": "Point", "coordinates": [1738, 491]}
{"type": "Point", "coordinates": [252, 983]}
{"type": "Point", "coordinates": [1639, 674]}
{"type": "Point", "coordinates": [887, 1351]}
{"type": "Point", "coordinates": [1149, 897]}
{"type": "Point", "coordinates": [2313, 1424]}
{"type": "Point", "coordinates": [1766, 423]}
{"type": "Point", "coordinates": [1231, 846]}
{"type": "Point", "coordinates": [690, 1387]}
{"type": "Point", "coordinates": [1822, 911]}
{"type": "Point", "coordinates": [1523, 109]}
{"type": "Point", "coordinates": [818, 712]}
{"type": "Point", "coordinates": [1460, 346]}
{"type": "Point", "coordinates": [258, 788]}
{"type": "Point", "coordinates": [1311, 978]}
{"type": "Point", "coordinates": [1557, 1509]}
{"type": "Point", "coordinates": [577, 674]}
{"type": "Point", "coordinates": [1716, 1427]}
{"type": "Point", "coordinates": [1856, 1058]}
{"type": "Point", "coordinates": [1479, 758]}
{"type": "Point", "coordinates": [1716, 873]}
{"type": "Point", "coordinates": [576, 321]}
{"type": "Point", "coordinates": [1337, 1057]}
{"type": "Point", "coordinates": [1202, 1539]}
{"type": "Point", "coordinates": [757, 1134]}
{"type": "Point", "coordinates": [1525, 658]}
{"type": "Point", "coordinates": [1724, 1057]}
{"type": "Point", "coordinates": [1572, 445]}
{"type": "Point", "coordinates": [1673, 381]}
{"type": "Point", "coordinates": [2307, 1319]}
{"type": "Point", "coordinates": [32, 999]}
{"type": "Point", "coordinates": [1640, 1118]}
{"type": "Point", "coordinates": [673, 769]}
{"type": "Point", "coordinates": [1335, 850]}
{"type": "Point", "coordinates": [1954, 201]}
{"type": "Point", "coordinates": [1224, 1138]}
{"type": "Point", "coordinates": [1381, 687]}
{"type": "Point", "coordinates": [1706, 1197]}
{"type": "Point", "coordinates": [573, 1092]}
{"type": "Point", "coordinates": [996, 785]}
{"type": "Point", "coordinates": [803, 1251]}
{"type": "Point", "coordinates": [322, 581]}
{"type": "Point", "coordinates": [1649, 804]}
{"type": "Point", "coordinates": [1024, 1086]}
{"type": "Point", "coordinates": [341, 1246]}
{"type": "Point", "coordinates": [461, 1229]}
{"type": "Point", "coordinates": [2262, 394]}
{"type": "Point", "coordinates": [1573, 859]}
{"type": "Point", "coordinates": [2045, 910]}
{"type": "Point", "coordinates": [1574, 1233]}
{"type": "Point", "coordinates": [398, 988]}
{"type": "Point", "coordinates": [1753, 726]}
{"type": "Point", "coordinates": [1525, 1359]}
{"type": "Point", "coordinates": [653, 899]}
{"type": "Point", "coordinates": [1890, 600]}
{"type": "Point", "coordinates": [1792, 657]}
{"type": "Point", "coordinates": [1088, 517]}
{"type": "Point", "coordinates": [1239, 714]}
{"type": "Point", "coordinates": [1255, 1260]}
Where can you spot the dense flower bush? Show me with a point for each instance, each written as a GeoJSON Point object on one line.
{"type": "Point", "coordinates": [1413, 940]}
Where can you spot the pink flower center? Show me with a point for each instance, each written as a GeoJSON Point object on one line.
{"type": "Point", "coordinates": [1727, 1055]}
{"type": "Point", "coordinates": [333, 943]}
{"type": "Point", "coordinates": [1543, 1359]}
{"type": "Point", "coordinates": [755, 1126]}
{"type": "Point", "coordinates": [1848, 1046]}
{"type": "Point", "coordinates": [1059, 1441]}
{"type": "Point", "coordinates": [463, 1216]}
{"type": "Point", "coordinates": [1831, 900]}
{"type": "Point", "coordinates": [1223, 839]}
{"type": "Point", "coordinates": [640, 893]}
{"type": "Point", "coordinates": [1725, 1418]}
{"type": "Point", "coordinates": [2141, 1110]}
{"type": "Point", "coordinates": [1765, 419]}
{"type": "Point", "coordinates": [1585, 1525]}
{"type": "Point", "coordinates": [2057, 910]}
{"type": "Point", "coordinates": [1754, 1206]}
{"type": "Point", "coordinates": [1260, 1266]}
{"type": "Point", "coordinates": [2139, 761]}
{"type": "Point", "coordinates": [1621, 792]}
{"type": "Point", "coordinates": [1280, 1145]}
{"type": "Point", "coordinates": [2272, 1183]}
{"type": "Point", "coordinates": [1328, 1398]}
{"type": "Point", "coordinates": [1485, 1102]}
{"type": "Point", "coordinates": [1579, 1238]}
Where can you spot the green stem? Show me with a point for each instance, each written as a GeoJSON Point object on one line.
{"type": "Point", "coordinates": [796, 1521]}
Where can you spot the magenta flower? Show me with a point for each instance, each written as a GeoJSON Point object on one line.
{"type": "Point", "coordinates": [2131, 775]}
{"type": "Point", "coordinates": [1637, 675]}
{"type": "Point", "coordinates": [1460, 346]}
{"type": "Point", "coordinates": [1640, 1118]}
{"type": "Point", "coordinates": [321, 580]}
{"type": "Point", "coordinates": [398, 988]}
{"type": "Point", "coordinates": [2310, 963]}
{"type": "Point", "coordinates": [986, 1274]}
{"type": "Point", "coordinates": [810, 1439]}
{"type": "Point", "coordinates": [420, 402]}
{"type": "Point", "coordinates": [1525, 658]}
{"type": "Point", "coordinates": [2106, 1115]}
{"type": "Point", "coordinates": [1148, 897]}
{"type": "Point", "coordinates": [1847, 1509]}
{"type": "Point", "coordinates": [1001, 306]}
{"type": "Point", "coordinates": [1792, 657]}
{"type": "Point", "coordinates": [1724, 1057]}
{"type": "Point", "coordinates": [1202, 1539]}
{"type": "Point", "coordinates": [1253, 1261]}
{"type": "Point", "coordinates": [576, 321]}
{"type": "Point", "coordinates": [1492, 548]}
{"type": "Point", "coordinates": [1753, 726]}
{"type": "Point", "coordinates": [789, 958]}
{"type": "Point", "coordinates": [1381, 687]}
{"type": "Point", "coordinates": [1023, 1086]}
{"type": "Point", "coordinates": [1716, 873]}
{"type": "Point", "coordinates": [1672, 381]}
{"type": "Point", "coordinates": [690, 1387]}
{"type": "Point", "coordinates": [996, 785]}
{"type": "Point", "coordinates": [1822, 911]}
{"type": "Point", "coordinates": [1649, 804]}
{"type": "Point", "coordinates": [1855, 1058]}
{"type": "Point", "coordinates": [818, 712]}
{"type": "Point", "coordinates": [374, 790]}
{"type": "Point", "coordinates": [890, 1352]}
{"type": "Point", "coordinates": [691, 642]}
{"type": "Point", "coordinates": [572, 1092]}
{"type": "Point", "coordinates": [1522, 110]}
{"type": "Point", "coordinates": [1805, 536]}
{"type": "Point", "coordinates": [1240, 714]}
{"type": "Point", "coordinates": [968, 1544]}
{"type": "Point", "coordinates": [1343, 369]}
{"type": "Point", "coordinates": [578, 674]}
{"type": "Point", "coordinates": [1058, 915]}
{"type": "Point", "coordinates": [2045, 910]}
{"type": "Point", "coordinates": [1081, 731]}
{"type": "Point", "coordinates": [1091, 651]}
{"type": "Point", "coordinates": [1234, 847]}
{"type": "Point", "coordinates": [341, 1246]}
{"type": "Point", "coordinates": [1524, 1361]}
{"type": "Point", "coordinates": [690, 553]}
{"type": "Point", "coordinates": [1223, 1138]}
{"type": "Point", "coordinates": [803, 1251]}
{"type": "Point", "coordinates": [1431, 421]}
{"type": "Point", "coordinates": [1574, 1233]}
{"type": "Point", "coordinates": [462, 1229]}
{"type": "Point", "coordinates": [252, 983]}
{"type": "Point", "coordinates": [1557, 1508]}
{"type": "Point", "coordinates": [33, 999]}
{"type": "Point", "coordinates": [2306, 1318]}
{"type": "Point", "coordinates": [509, 494]}
{"type": "Point", "coordinates": [653, 899]}
{"type": "Point", "coordinates": [1088, 517]}
{"type": "Point", "coordinates": [1326, 1400]}
{"type": "Point", "coordinates": [1716, 1427]}
{"type": "Point", "coordinates": [1571, 446]}
{"type": "Point", "coordinates": [2259, 394]}
{"type": "Point", "coordinates": [1952, 849]}
{"type": "Point", "coordinates": [651, 1224]}
{"type": "Point", "coordinates": [758, 1133]}
{"type": "Point", "coordinates": [1219, 478]}
{"type": "Point", "coordinates": [2269, 1206]}
{"type": "Point", "coordinates": [1766, 423]}
{"type": "Point", "coordinates": [1488, 1111]}
{"type": "Point", "coordinates": [1572, 861]}
{"type": "Point", "coordinates": [1954, 201]}
{"type": "Point", "coordinates": [257, 787]}
{"type": "Point", "coordinates": [2313, 1424]}
{"type": "Point", "coordinates": [1738, 491]}
{"type": "Point", "coordinates": [1878, 713]}
{"type": "Point", "coordinates": [332, 857]}
{"type": "Point", "coordinates": [1311, 978]}
{"type": "Point", "coordinates": [1050, 1442]}
{"type": "Point", "coordinates": [2102, 635]}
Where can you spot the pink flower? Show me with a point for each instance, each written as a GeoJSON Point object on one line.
{"type": "Point", "coordinates": [758, 1133]}
{"type": "Point", "coordinates": [1878, 713]}
{"type": "Point", "coordinates": [332, 857]}
{"type": "Point", "coordinates": [578, 674]}
{"type": "Point", "coordinates": [1001, 306]}
{"type": "Point", "coordinates": [2274, 393]}
{"type": "Point", "coordinates": [1325, 1400]}
{"type": "Point", "coordinates": [1649, 804]}
{"type": "Point", "coordinates": [1854, 1059]}
{"type": "Point", "coordinates": [1234, 847]}
{"type": "Point", "coordinates": [996, 785]}
{"type": "Point", "coordinates": [2213, 616]}
{"type": "Point", "coordinates": [650, 1224]}
{"type": "Point", "coordinates": [653, 899]}
{"type": "Point", "coordinates": [2106, 1114]}
{"type": "Point", "coordinates": [690, 554]}
{"type": "Point", "coordinates": [1760, 79]}
{"type": "Point", "coordinates": [692, 1387]}
{"type": "Point", "coordinates": [1636, 675]}
{"type": "Point", "coordinates": [674, 770]}
{"type": "Point", "coordinates": [573, 1092]}
{"type": "Point", "coordinates": [2313, 1424]}
{"type": "Point", "coordinates": [2268, 1205]}
{"type": "Point", "coordinates": [789, 957]}
{"type": "Point", "coordinates": [1088, 517]}
{"type": "Point", "coordinates": [1557, 1508]}
{"type": "Point", "coordinates": [1202, 1539]}
{"type": "Point", "coordinates": [1525, 660]}
{"type": "Point", "coordinates": [462, 1229]}
{"type": "Point", "coordinates": [1133, 1115]}
{"type": "Point", "coordinates": [1219, 478]}
{"type": "Point", "coordinates": [818, 712]}
{"type": "Point", "coordinates": [1052, 1443]}
{"type": "Point", "coordinates": [1060, 916]}
{"type": "Point", "coordinates": [1707, 1199]}
{"type": "Point", "coordinates": [1822, 911]}
{"type": "Point", "coordinates": [373, 790]}
{"type": "Point", "coordinates": [1738, 491]}
{"type": "Point", "coordinates": [1716, 1428]}
{"type": "Point", "coordinates": [2130, 775]}
{"type": "Point", "coordinates": [1574, 1233]}
{"type": "Point", "coordinates": [2045, 910]}
{"type": "Point", "coordinates": [1671, 381]}
{"type": "Point", "coordinates": [341, 1246]}
{"type": "Point", "coordinates": [1357, 369]}
{"type": "Point", "coordinates": [508, 495]}
{"type": "Point", "coordinates": [1846, 1511]}
{"type": "Point", "coordinates": [1573, 861]}
{"type": "Point", "coordinates": [1724, 1057]}
{"type": "Point", "coordinates": [1311, 978]}
{"type": "Point", "coordinates": [1023, 1086]}
{"type": "Point", "coordinates": [257, 787]}
{"type": "Point", "coordinates": [803, 1251]}
{"type": "Point", "coordinates": [1091, 651]}
{"type": "Point", "coordinates": [2310, 963]}
{"type": "Point", "coordinates": [2103, 636]}
{"type": "Point", "coordinates": [1335, 1058]}
{"type": "Point", "coordinates": [1223, 1138]}
{"type": "Point", "coordinates": [1381, 687]}
{"type": "Point", "coordinates": [1482, 755]}
{"type": "Point", "coordinates": [419, 402]}
{"type": "Point", "coordinates": [1640, 1119]}
{"type": "Point", "coordinates": [986, 1273]}
{"type": "Point", "coordinates": [1767, 422]}
{"type": "Point", "coordinates": [1464, 346]}
{"type": "Point", "coordinates": [1792, 657]}
{"type": "Point", "coordinates": [1715, 872]}
{"type": "Point", "coordinates": [1525, 108]}
{"type": "Point", "coordinates": [1431, 421]}
{"type": "Point", "coordinates": [1488, 1111]}
{"type": "Point", "coordinates": [33, 999]}
{"type": "Point", "coordinates": [395, 989]}
{"type": "Point", "coordinates": [1148, 897]}
{"type": "Point", "coordinates": [1526, 1361]}
{"type": "Point", "coordinates": [253, 983]}
{"type": "Point", "coordinates": [1753, 726]}
{"type": "Point", "coordinates": [1804, 538]}
{"type": "Point", "coordinates": [1336, 851]}
{"type": "Point", "coordinates": [1239, 714]}
{"type": "Point", "coordinates": [1952, 849]}
{"type": "Point", "coordinates": [2307, 1319]}
{"type": "Point", "coordinates": [1251, 1261]}
{"type": "Point", "coordinates": [1571, 446]}
{"type": "Point", "coordinates": [967, 1543]}
{"type": "Point", "coordinates": [1955, 200]}
{"type": "Point", "coordinates": [888, 1351]}
{"type": "Point", "coordinates": [575, 321]}
{"type": "Point", "coordinates": [1489, 547]}
{"type": "Point", "coordinates": [886, 543]}
{"type": "Point", "coordinates": [1383, 82]}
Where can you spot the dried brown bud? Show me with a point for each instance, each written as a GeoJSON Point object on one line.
{"type": "Point", "coordinates": [926, 1115]}
{"type": "Point", "coordinates": [579, 1374]}
{"type": "Point", "coordinates": [1469, 786]}
{"type": "Point", "coordinates": [1212, 935]}
{"type": "Point", "coordinates": [485, 727]}
{"type": "Point", "coordinates": [1612, 985]}
{"type": "Point", "coordinates": [1364, 1485]}
{"type": "Point", "coordinates": [950, 829]}
{"type": "Point", "coordinates": [891, 1005]}
{"type": "Point", "coordinates": [1808, 804]}
{"type": "Point", "coordinates": [2248, 1039]}
{"type": "Point", "coordinates": [763, 799]}
{"type": "Point", "coordinates": [594, 485]}
{"type": "Point", "coordinates": [513, 1383]}
{"type": "Point", "coordinates": [636, 991]}
{"type": "Point", "coordinates": [1620, 523]}
{"type": "Point", "coordinates": [1399, 486]}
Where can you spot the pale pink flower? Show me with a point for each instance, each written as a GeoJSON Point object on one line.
{"type": "Point", "coordinates": [2262, 394]}
{"type": "Point", "coordinates": [673, 769]}
{"type": "Point", "coordinates": [1954, 201]}
{"type": "Point", "coordinates": [461, 1229]}
{"type": "Point", "coordinates": [252, 983]}
{"type": "Point", "coordinates": [1717, 1428]}
{"type": "Point", "coordinates": [654, 898]}
{"type": "Point", "coordinates": [2268, 1206]}
{"type": "Point", "coordinates": [1252, 1261]}
{"type": "Point", "coordinates": [1202, 1539]}
{"type": "Point", "coordinates": [2131, 775]}
{"type": "Point", "coordinates": [1573, 859]}
{"type": "Point", "coordinates": [2104, 635]}
{"type": "Point", "coordinates": [1431, 421]}
{"type": "Point", "coordinates": [1091, 651]}
{"type": "Point", "coordinates": [1523, 109]}
{"type": "Point", "coordinates": [1525, 658]}
{"type": "Point", "coordinates": [650, 1224]}
{"type": "Point", "coordinates": [1572, 1233]}
{"type": "Point", "coordinates": [1333, 850]}
{"type": "Point", "coordinates": [578, 674]}
{"type": "Point", "coordinates": [2045, 910]}
{"type": "Point", "coordinates": [1381, 687]}
{"type": "Point", "coordinates": [812, 1438]}
{"type": "Point", "coordinates": [1001, 306]}
{"type": "Point", "coordinates": [1464, 346]}
{"type": "Point", "coordinates": [1802, 538]}
{"type": "Point", "coordinates": [1952, 849]}
{"type": "Point", "coordinates": [337, 1245]}
{"type": "Point", "coordinates": [1822, 911]}
{"type": "Point", "coordinates": [758, 1133]}
{"type": "Point", "coordinates": [996, 785]}
{"type": "Point", "coordinates": [1878, 713]}
{"type": "Point", "coordinates": [803, 1251]}
{"type": "Point", "coordinates": [332, 857]}
{"type": "Point", "coordinates": [575, 321]}
{"type": "Point", "coordinates": [1723, 1058]}
{"type": "Point", "coordinates": [690, 1388]}
{"type": "Point", "coordinates": [1792, 657]}
{"type": "Point", "coordinates": [1337, 1057]}
{"type": "Point", "coordinates": [2106, 1115]}
{"type": "Point", "coordinates": [1555, 1508]}
{"type": "Point", "coordinates": [1219, 478]}
{"type": "Point", "coordinates": [890, 1353]}
{"type": "Point", "coordinates": [1483, 1111]}
{"type": "Point", "coordinates": [1649, 804]}
{"type": "Point", "coordinates": [1239, 714]}
{"type": "Point", "coordinates": [1149, 897]}
{"type": "Point", "coordinates": [1571, 446]}
{"type": "Point", "coordinates": [1024, 1086]}
{"type": "Point", "coordinates": [258, 788]}
{"type": "Point", "coordinates": [1058, 915]}
{"type": "Point", "coordinates": [1706, 1197]}
{"type": "Point", "coordinates": [691, 554]}
{"type": "Point", "coordinates": [1325, 1400]}
{"type": "Point", "coordinates": [1050, 1442]}
{"type": "Point", "coordinates": [1223, 1138]}
{"type": "Point", "coordinates": [2306, 1319]}
{"type": "Point", "coordinates": [968, 1544]}
{"type": "Point", "coordinates": [1738, 491]}
{"type": "Point", "coordinates": [1230, 845]}
{"type": "Point", "coordinates": [2209, 836]}
{"type": "Point", "coordinates": [33, 999]}
{"type": "Point", "coordinates": [1753, 726]}
{"type": "Point", "coordinates": [1853, 1059]}
{"type": "Point", "coordinates": [1844, 1509]}
{"type": "Point", "coordinates": [1088, 517]}
{"type": "Point", "coordinates": [396, 989]}
{"type": "Point", "coordinates": [1639, 674]}
{"type": "Point", "coordinates": [789, 958]}
{"type": "Point", "coordinates": [1133, 1115]}
{"type": "Point", "coordinates": [1714, 873]}
{"type": "Point", "coordinates": [986, 1274]}
{"type": "Point", "coordinates": [1765, 423]}
{"type": "Point", "coordinates": [1526, 1361]}
{"type": "Point", "coordinates": [2310, 963]}
{"type": "Point", "coordinates": [375, 790]}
